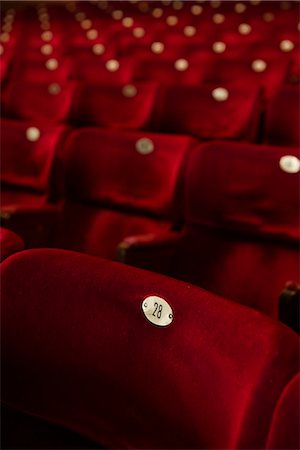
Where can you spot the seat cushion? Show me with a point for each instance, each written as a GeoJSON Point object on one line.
{"type": "Point", "coordinates": [98, 232]}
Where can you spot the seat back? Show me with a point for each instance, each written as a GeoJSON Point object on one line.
{"type": "Point", "coordinates": [92, 361]}
{"type": "Point", "coordinates": [283, 117]}
{"type": "Point", "coordinates": [211, 111]}
{"type": "Point", "coordinates": [133, 170]}
{"type": "Point", "coordinates": [127, 106]}
{"type": "Point", "coordinates": [242, 222]}
{"type": "Point", "coordinates": [28, 153]}
{"type": "Point", "coordinates": [245, 187]}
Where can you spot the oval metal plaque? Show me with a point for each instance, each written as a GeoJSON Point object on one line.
{"type": "Point", "coordinates": [289, 164]}
{"type": "Point", "coordinates": [157, 311]}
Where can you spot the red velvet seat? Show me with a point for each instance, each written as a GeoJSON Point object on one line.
{"type": "Point", "coordinates": [127, 106]}
{"type": "Point", "coordinates": [104, 71]}
{"type": "Point", "coordinates": [79, 353]}
{"type": "Point", "coordinates": [283, 117]}
{"type": "Point", "coordinates": [268, 73]}
{"type": "Point", "coordinates": [173, 71]}
{"type": "Point", "coordinates": [28, 156]}
{"type": "Point", "coordinates": [46, 71]}
{"type": "Point", "coordinates": [27, 100]}
{"type": "Point", "coordinates": [10, 243]}
{"type": "Point", "coordinates": [119, 183]}
{"type": "Point", "coordinates": [210, 111]}
{"type": "Point", "coordinates": [241, 225]}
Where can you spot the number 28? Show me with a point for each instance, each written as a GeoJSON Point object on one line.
{"type": "Point", "coordinates": [158, 310]}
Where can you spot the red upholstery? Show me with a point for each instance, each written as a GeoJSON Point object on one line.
{"type": "Point", "coordinates": [115, 106]}
{"type": "Point", "coordinates": [244, 232]}
{"type": "Point", "coordinates": [241, 232]}
{"type": "Point", "coordinates": [99, 71]}
{"type": "Point", "coordinates": [283, 117]}
{"type": "Point", "coordinates": [27, 164]}
{"type": "Point", "coordinates": [251, 192]}
{"type": "Point", "coordinates": [114, 191]}
{"type": "Point", "coordinates": [246, 269]}
{"type": "Point", "coordinates": [241, 73]}
{"type": "Point", "coordinates": [37, 71]}
{"type": "Point", "coordinates": [207, 117]}
{"type": "Point", "coordinates": [165, 70]}
{"type": "Point", "coordinates": [23, 101]}
{"type": "Point", "coordinates": [10, 243]}
{"type": "Point", "coordinates": [98, 231]}
{"type": "Point", "coordinates": [27, 176]}
{"type": "Point", "coordinates": [81, 354]}
{"type": "Point", "coordinates": [108, 168]}
{"type": "Point", "coordinates": [284, 432]}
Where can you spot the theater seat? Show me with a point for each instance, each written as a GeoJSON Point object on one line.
{"type": "Point", "coordinates": [82, 350]}
{"type": "Point", "coordinates": [267, 72]}
{"type": "Point", "coordinates": [120, 183]}
{"type": "Point", "coordinates": [10, 243]}
{"type": "Point", "coordinates": [27, 169]}
{"type": "Point", "coordinates": [241, 232]}
{"type": "Point", "coordinates": [127, 106]}
{"type": "Point", "coordinates": [283, 117]}
{"type": "Point", "coordinates": [210, 111]}
{"type": "Point", "coordinates": [37, 101]}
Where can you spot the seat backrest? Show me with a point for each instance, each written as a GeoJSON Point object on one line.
{"type": "Point", "coordinates": [135, 170]}
{"type": "Point", "coordinates": [38, 101]}
{"type": "Point", "coordinates": [267, 72]}
{"type": "Point", "coordinates": [283, 117]}
{"type": "Point", "coordinates": [80, 332]}
{"type": "Point", "coordinates": [127, 106]}
{"type": "Point", "coordinates": [242, 222]}
{"type": "Point", "coordinates": [28, 152]}
{"type": "Point", "coordinates": [211, 111]}
{"type": "Point", "coordinates": [245, 187]}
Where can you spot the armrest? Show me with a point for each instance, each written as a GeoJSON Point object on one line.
{"type": "Point", "coordinates": [150, 251]}
{"type": "Point", "coordinates": [35, 224]}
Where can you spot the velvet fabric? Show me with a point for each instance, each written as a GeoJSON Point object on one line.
{"type": "Point", "coordinates": [284, 432]}
{"type": "Point", "coordinates": [27, 177]}
{"type": "Point", "coordinates": [21, 100]}
{"type": "Point", "coordinates": [10, 243]}
{"type": "Point", "coordinates": [241, 227]}
{"type": "Point", "coordinates": [164, 70]}
{"type": "Point", "coordinates": [114, 191]}
{"type": "Point", "coordinates": [250, 270]}
{"type": "Point", "coordinates": [80, 354]}
{"type": "Point", "coordinates": [283, 117]}
{"type": "Point", "coordinates": [28, 164]}
{"type": "Point", "coordinates": [242, 187]}
{"type": "Point", "coordinates": [108, 168]}
{"type": "Point", "coordinates": [95, 71]}
{"type": "Point", "coordinates": [98, 231]}
{"type": "Point", "coordinates": [241, 73]}
{"type": "Point", "coordinates": [204, 117]}
{"type": "Point", "coordinates": [37, 71]}
{"type": "Point", "coordinates": [115, 106]}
